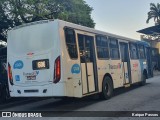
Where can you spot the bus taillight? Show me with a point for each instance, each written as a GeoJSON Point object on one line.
{"type": "Point", "coordinates": [10, 74]}
{"type": "Point", "coordinates": [57, 70]}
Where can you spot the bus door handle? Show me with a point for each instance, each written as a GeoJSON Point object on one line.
{"type": "Point", "coordinates": [89, 75]}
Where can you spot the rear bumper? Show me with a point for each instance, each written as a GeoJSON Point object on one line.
{"type": "Point", "coordinates": [49, 90]}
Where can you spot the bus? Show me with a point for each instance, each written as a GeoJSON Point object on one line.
{"type": "Point", "coordinates": [4, 90]}
{"type": "Point", "coordinates": [55, 58]}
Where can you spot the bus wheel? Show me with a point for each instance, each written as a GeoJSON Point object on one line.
{"type": "Point", "coordinates": [143, 82]}
{"type": "Point", "coordinates": [107, 88]}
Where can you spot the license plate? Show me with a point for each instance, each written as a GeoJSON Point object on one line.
{"type": "Point", "coordinates": [40, 64]}
{"type": "Point", "coordinates": [31, 77]}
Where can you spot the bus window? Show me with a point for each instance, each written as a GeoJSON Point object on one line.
{"type": "Point", "coordinates": [114, 49]}
{"type": "Point", "coordinates": [154, 52]}
{"type": "Point", "coordinates": [71, 43]}
{"type": "Point", "coordinates": [102, 47]}
{"type": "Point", "coordinates": [133, 51]}
{"type": "Point", "coordinates": [141, 52]}
{"type": "Point", "coordinates": [154, 57]}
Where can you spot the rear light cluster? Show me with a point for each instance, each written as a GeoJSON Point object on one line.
{"type": "Point", "coordinates": [57, 70]}
{"type": "Point", "coordinates": [10, 74]}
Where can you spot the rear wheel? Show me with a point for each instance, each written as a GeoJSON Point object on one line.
{"type": "Point", "coordinates": [107, 88]}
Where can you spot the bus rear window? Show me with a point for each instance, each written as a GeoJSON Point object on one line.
{"type": "Point", "coordinates": [33, 38]}
{"type": "Point", "coordinates": [71, 43]}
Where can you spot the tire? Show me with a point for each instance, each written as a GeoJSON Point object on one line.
{"type": "Point", "coordinates": [107, 88]}
{"type": "Point", "coordinates": [143, 82]}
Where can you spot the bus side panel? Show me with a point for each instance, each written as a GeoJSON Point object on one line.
{"type": "Point", "coordinates": [135, 71]}
{"type": "Point", "coordinates": [102, 66]}
{"type": "Point", "coordinates": [114, 69]}
{"type": "Point", "coordinates": [73, 84]}
{"type": "Point", "coordinates": [137, 68]}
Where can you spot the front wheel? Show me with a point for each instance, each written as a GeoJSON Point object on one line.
{"type": "Point", "coordinates": [107, 88]}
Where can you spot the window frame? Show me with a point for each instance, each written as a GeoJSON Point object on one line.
{"type": "Point", "coordinates": [77, 56]}
{"type": "Point", "coordinates": [96, 46]}
{"type": "Point", "coordinates": [138, 45]}
{"type": "Point", "coordinates": [117, 47]}
{"type": "Point", "coordinates": [136, 51]}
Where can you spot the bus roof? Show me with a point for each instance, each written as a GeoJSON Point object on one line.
{"type": "Point", "coordinates": [143, 43]}
{"type": "Point", "coordinates": [76, 26]}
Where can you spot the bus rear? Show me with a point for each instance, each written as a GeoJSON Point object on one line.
{"type": "Point", "coordinates": [33, 59]}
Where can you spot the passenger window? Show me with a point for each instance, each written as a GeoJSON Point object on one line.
{"type": "Point", "coordinates": [141, 52]}
{"type": "Point", "coordinates": [71, 43]}
{"type": "Point", "coordinates": [102, 47]}
{"type": "Point", "coordinates": [133, 51]}
{"type": "Point", "coordinates": [154, 52]}
{"type": "Point", "coordinates": [114, 48]}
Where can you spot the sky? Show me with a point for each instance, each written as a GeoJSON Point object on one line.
{"type": "Point", "coordinates": [121, 17]}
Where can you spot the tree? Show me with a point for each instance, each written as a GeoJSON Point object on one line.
{"type": "Point", "coordinates": [17, 12]}
{"type": "Point", "coordinates": [154, 13]}
{"type": "Point", "coordinates": [4, 24]}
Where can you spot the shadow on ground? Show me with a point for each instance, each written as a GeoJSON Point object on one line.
{"type": "Point", "coordinates": [65, 104]}
{"type": "Point", "coordinates": [72, 104]}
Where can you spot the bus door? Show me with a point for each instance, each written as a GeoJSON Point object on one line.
{"type": "Point", "coordinates": [125, 62]}
{"type": "Point", "coordinates": [149, 61]}
{"type": "Point", "coordinates": [88, 63]}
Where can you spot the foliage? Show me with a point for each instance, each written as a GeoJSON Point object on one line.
{"type": "Point", "coordinates": [154, 13]}
{"type": "Point", "coordinates": [17, 12]}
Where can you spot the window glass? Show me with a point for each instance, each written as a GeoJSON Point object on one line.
{"type": "Point", "coordinates": [154, 52]}
{"type": "Point", "coordinates": [141, 52]}
{"type": "Point", "coordinates": [114, 53]}
{"type": "Point", "coordinates": [71, 43]}
{"type": "Point", "coordinates": [35, 38]}
{"type": "Point", "coordinates": [114, 49]}
{"type": "Point", "coordinates": [102, 47]}
{"type": "Point", "coordinates": [113, 43]}
{"type": "Point", "coordinates": [133, 51]}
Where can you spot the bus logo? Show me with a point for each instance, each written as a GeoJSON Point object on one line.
{"type": "Point", "coordinates": [18, 64]}
{"type": "Point", "coordinates": [31, 76]}
{"type": "Point", "coordinates": [75, 69]}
